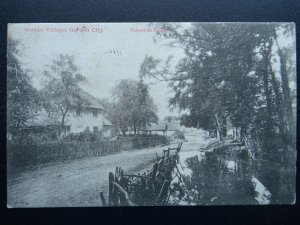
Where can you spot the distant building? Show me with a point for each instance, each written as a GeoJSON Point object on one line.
{"type": "Point", "coordinates": [166, 127]}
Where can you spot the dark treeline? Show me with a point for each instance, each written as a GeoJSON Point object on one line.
{"type": "Point", "coordinates": [238, 73]}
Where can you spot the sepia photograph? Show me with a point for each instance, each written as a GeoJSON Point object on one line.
{"type": "Point", "coordinates": [151, 114]}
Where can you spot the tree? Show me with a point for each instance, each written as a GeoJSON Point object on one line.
{"type": "Point", "coordinates": [228, 73]}
{"type": "Point", "coordinates": [62, 92]}
{"type": "Point", "coordinates": [285, 57]}
{"type": "Point", "coordinates": [22, 97]}
{"type": "Point", "coordinates": [214, 77]}
{"type": "Point", "coordinates": [146, 109]}
{"type": "Point", "coordinates": [132, 107]}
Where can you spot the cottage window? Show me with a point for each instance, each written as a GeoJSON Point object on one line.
{"type": "Point", "coordinates": [78, 112]}
{"type": "Point", "coordinates": [95, 129]}
{"type": "Point", "coordinates": [95, 113]}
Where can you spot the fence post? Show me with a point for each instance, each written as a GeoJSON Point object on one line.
{"type": "Point", "coordinates": [102, 199]}
{"type": "Point", "coordinates": [37, 154]}
{"type": "Point", "coordinates": [111, 179]}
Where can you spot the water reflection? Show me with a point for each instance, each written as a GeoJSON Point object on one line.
{"type": "Point", "coordinates": [218, 178]}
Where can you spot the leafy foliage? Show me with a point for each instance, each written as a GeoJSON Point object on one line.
{"type": "Point", "coordinates": [132, 107]}
{"type": "Point", "coordinates": [227, 74]}
{"type": "Point", "coordinates": [22, 98]}
{"type": "Point", "coordinates": [61, 92]}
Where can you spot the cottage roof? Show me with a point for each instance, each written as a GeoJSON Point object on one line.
{"type": "Point", "coordinates": [42, 118]}
{"type": "Point", "coordinates": [93, 102]}
{"type": "Point", "coordinates": [106, 122]}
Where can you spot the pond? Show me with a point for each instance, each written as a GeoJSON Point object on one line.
{"type": "Point", "coordinates": [214, 178]}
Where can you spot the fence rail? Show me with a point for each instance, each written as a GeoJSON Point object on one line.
{"type": "Point", "coordinates": [142, 142]}
{"type": "Point", "coordinates": [19, 155]}
{"type": "Point", "coordinates": [151, 188]}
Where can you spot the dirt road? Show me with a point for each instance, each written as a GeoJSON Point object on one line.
{"type": "Point", "coordinates": [79, 182]}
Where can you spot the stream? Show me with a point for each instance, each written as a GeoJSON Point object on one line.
{"type": "Point", "coordinates": [214, 178]}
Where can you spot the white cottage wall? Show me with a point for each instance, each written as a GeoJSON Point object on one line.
{"type": "Point", "coordinates": [86, 119]}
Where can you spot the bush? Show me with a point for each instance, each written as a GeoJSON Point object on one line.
{"type": "Point", "coordinates": [85, 136]}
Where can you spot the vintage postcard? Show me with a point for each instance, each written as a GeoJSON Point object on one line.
{"type": "Point", "coordinates": [151, 114]}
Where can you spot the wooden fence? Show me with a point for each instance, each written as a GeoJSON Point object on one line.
{"type": "Point", "coordinates": [23, 155]}
{"type": "Point", "coordinates": [141, 142]}
{"type": "Point", "coordinates": [19, 155]}
{"type": "Point", "coordinates": [151, 188]}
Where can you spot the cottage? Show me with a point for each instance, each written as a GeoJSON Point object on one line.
{"type": "Point", "coordinates": [77, 120]}
{"type": "Point", "coordinates": [90, 117]}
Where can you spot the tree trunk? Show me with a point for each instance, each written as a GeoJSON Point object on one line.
{"type": "Point", "coordinates": [138, 127]}
{"type": "Point", "coordinates": [64, 113]}
{"type": "Point", "coordinates": [236, 133]}
{"type": "Point", "coordinates": [224, 127]}
{"type": "Point", "coordinates": [242, 133]}
{"type": "Point", "coordinates": [134, 128]}
{"type": "Point", "coordinates": [264, 71]}
{"type": "Point", "coordinates": [279, 106]}
{"type": "Point", "coordinates": [286, 93]}
{"type": "Point", "coordinates": [233, 133]}
{"type": "Point", "coordinates": [287, 96]}
{"type": "Point", "coordinates": [220, 128]}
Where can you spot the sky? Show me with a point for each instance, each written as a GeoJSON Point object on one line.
{"type": "Point", "coordinates": [104, 52]}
